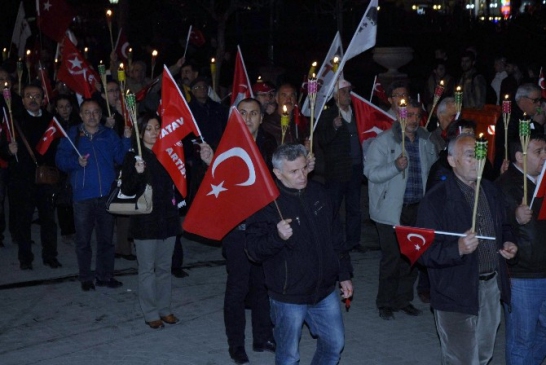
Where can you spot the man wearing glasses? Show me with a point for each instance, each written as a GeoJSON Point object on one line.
{"type": "Point", "coordinates": [528, 106]}
{"type": "Point", "coordinates": [396, 184]}
{"type": "Point", "coordinates": [397, 91]}
{"type": "Point", "coordinates": [32, 121]}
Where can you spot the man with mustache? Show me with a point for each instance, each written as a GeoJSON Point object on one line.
{"type": "Point", "coordinates": [285, 96]}
{"type": "Point", "coordinates": [32, 121]}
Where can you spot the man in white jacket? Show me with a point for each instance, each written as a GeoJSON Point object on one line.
{"type": "Point", "coordinates": [396, 184]}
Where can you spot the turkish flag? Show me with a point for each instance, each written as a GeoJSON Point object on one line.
{"type": "Point", "coordinates": [54, 17]}
{"type": "Point", "coordinates": [75, 72]}
{"type": "Point", "coordinates": [236, 185]}
{"type": "Point", "coordinates": [124, 111]}
{"type": "Point", "coordinates": [46, 85]}
{"type": "Point", "coordinates": [177, 123]}
{"type": "Point", "coordinates": [54, 131]}
{"type": "Point", "coordinates": [540, 192]}
{"type": "Point", "coordinates": [380, 93]}
{"type": "Point", "coordinates": [413, 241]}
{"type": "Point", "coordinates": [542, 84]}
{"type": "Point", "coordinates": [122, 46]}
{"type": "Point", "coordinates": [299, 119]}
{"type": "Point", "coordinates": [141, 94]}
{"type": "Point", "coordinates": [197, 38]}
{"type": "Point", "coordinates": [172, 160]}
{"type": "Point", "coordinates": [370, 120]}
{"type": "Point", "coordinates": [241, 88]}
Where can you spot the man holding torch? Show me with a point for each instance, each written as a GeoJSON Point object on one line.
{"type": "Point", "coordinates": [468, 275]}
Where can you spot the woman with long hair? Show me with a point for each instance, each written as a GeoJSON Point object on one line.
{"type": "Point", "coordinates": [154, 234]}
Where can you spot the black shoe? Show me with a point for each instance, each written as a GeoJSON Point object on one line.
{"type": "Point", "coordinates": [179, 273]}
{"type": "Point", "coordinates": [386, 313]}
{"type": "Point", "coordinates": [25, 266]}
{"type": "Point", "coordinates": [88, 285]}
{"type": "Point", "coordinates": [238, 355]}
{"type": "Point", "coordinates": [53, 263]}
{"type": "Point", "coordinates": [112, 283]}
{"type": "Point", "coordinates": [129, 257]}
{"type": "Point", "coordinates": [410, 310]}
{"type": "Point", "coordinates": [265, 346]}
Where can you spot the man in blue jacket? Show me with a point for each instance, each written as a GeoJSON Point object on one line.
{"type": "Point", "coordinates": [468, 275]}
{"type": "Point", "coordinates": [91, 177]}
{"type": "Point", "coordinates": [304, 256]}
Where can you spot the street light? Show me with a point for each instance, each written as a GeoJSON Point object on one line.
{"type": "Point", "coordinates": [113, 2]}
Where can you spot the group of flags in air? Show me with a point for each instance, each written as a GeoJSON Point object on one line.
{"type": "Point", "coordinates": [238, 182]}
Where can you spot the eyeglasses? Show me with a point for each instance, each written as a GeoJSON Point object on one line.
{"type": "Point", "coordinates": [199, 87]}
{"type": "Point", "coordinates": [533, 100]}
{"type": "Point", "coordinates": [33, 96]}
{"type": "Point", "coordinates": [400, 95]}
{"type": "Point", "coordinates": [416, 115]}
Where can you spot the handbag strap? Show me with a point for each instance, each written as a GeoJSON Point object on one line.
{"type": "Point", "coordinates": [22, 135]}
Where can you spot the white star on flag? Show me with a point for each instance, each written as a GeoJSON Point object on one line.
{"type": "Point", "coordinates": [76, 63]}
{"type": "Point", "coordinates": [417, 247]}
{"type": "Point", "coordinates": [47, 5]}
{"type": "Point", "coordinates": [217, 189]}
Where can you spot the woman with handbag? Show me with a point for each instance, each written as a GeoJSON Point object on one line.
{"type": "Point", "coordinates": [154, 233]}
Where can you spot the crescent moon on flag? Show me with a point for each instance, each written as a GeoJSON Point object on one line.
{"type": "Point", "coordinates": [52, 129]}
{"type": "Point", "coordinates": [243, 155]}
{"type": "Point", "coordinates": [411, 235]}
{"type": "Point", "coordinates": [124, 49]}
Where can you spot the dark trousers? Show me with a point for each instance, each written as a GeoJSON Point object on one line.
{"type": "Point", "coordinates": [245, 283]}
{"type": "Point", "coordinates": [26, 197]}
{"type": "Point", "coordinates": [178, 254]}
{"type": "Point", "coordinates": [65, 217]}
{"type": "Point", "coordinates": [3, 190]}
{"type": "Point", "coordinates": [396, 276]}
{"type": "Point", "coordinates": [350, 190]}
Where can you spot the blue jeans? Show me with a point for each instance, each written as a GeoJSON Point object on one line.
{"type": "Point", "coordinates": [526, 322]}
{"type": "Point", "coordinates": [324, 321]}
{"type": "Point", "coordinates": [91, 214]}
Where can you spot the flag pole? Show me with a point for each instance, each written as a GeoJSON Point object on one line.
{"type": "Point", "coordinates": [373, 87]}
{"type": "Point", "coordinates": [66, 134]}
{"type": "Point", "coordinates": [187, 42]}
{"type": "Point", "coordinates": [278, 209]}
{"type": "Point", "coordinates": [453, 234]}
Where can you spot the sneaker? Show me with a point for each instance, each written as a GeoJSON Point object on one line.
{"type": "Point", "coordinates": [112, 283]}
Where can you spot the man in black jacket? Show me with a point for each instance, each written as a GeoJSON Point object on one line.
{"type": "Point", "coordinates": [299, 240]}
{"type": "Point", "coordinates": [468, 275]}
{"type": "Point", "coordinates": [526, 316]}
{"type": "Point", "coordinates": [26, 195]}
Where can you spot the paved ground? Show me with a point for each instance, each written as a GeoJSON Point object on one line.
{"type": "Point", "coordinates": [46, 318]}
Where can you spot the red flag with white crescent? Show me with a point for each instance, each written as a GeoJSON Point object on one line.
{"type": "Point", "coordinates": [54, 131]}
{"type": "Point", "coordinates": [122, 46]}
{"type": "Point", "coordinates": [542, 84]}
{"type": "Point", "coordinates": [242, 88]}
{"type": "Point", "coordinates": [370, 120]}
{"type": "Point", "coordinates": [75, 72]}
{"type": "Point", "coordinates": [413, 241]}
{"type": "Point", "coordinates": [236, 185]}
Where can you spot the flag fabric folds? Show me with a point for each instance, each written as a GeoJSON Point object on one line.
{"type": "Point", "coordinates": [21, 32]}
{"type": "Point", "coordinates": [75, 72]}
{"type": "Point", "coordinates": [242, 88]}
{"type": "Point", "coordinates": [379, 92]}
{"type": "Point", "coordinates": [325, 76]}
{"type": "Point", "coordinates": [54, 131]}
{"type": "Point", "coordinates": [370, 120]}
{"type": "Point", "coordinates": [237, 184]}
{"type": "Point", "coordinates": [122, 46]}
{"type": "Point", "coordinates": [363, 39]}
{"type": "Point", "coordinates": [177, 123]}
{"type": "Point", "coordinates": [540, 192]}
{"type": "Point", "coordinates": [413, 241]}
{"type": "Point", "coordinates": [54, 17]}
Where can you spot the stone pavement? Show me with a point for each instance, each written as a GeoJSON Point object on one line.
{"type": "Point", "coordinates": [46, 318]}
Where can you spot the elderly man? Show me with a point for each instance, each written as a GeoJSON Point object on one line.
{"type": "Point", "coordinates": [338, 137]}
{"type": "Point", "coordinates": [526, 314]}
{"type": "Point", "coordinates": [285, 97]}
{"type": "Point", "coordinates": [304, 257]}
{"type": "Point", "coordinates": [91, 174]}
{"type": "Point", "coordinates": [446, 113]}
{"type": "Point", "coordinates": [396, 185]}
{"type": "Point", "coordinates": [24, 194]}
{"type": "Point", "coordinates": [468, 275]}
{"type": "Point", "coordinates": [528, 99]}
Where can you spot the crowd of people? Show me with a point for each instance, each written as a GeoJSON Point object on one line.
{"type": "Point", "coordinates": [290, 270]}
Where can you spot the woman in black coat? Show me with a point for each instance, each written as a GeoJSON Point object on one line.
{"type": "Point", "coordinates": [154, 234]}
